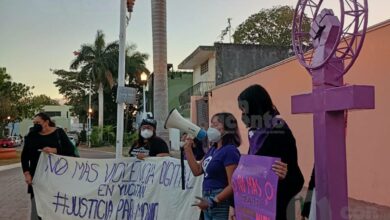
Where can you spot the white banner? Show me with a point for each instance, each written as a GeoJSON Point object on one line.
{"type": "Point", "coordinates": [78, 188]}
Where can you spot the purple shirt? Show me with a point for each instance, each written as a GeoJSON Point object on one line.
{"type": "Point", "coordinates": [214, 164]}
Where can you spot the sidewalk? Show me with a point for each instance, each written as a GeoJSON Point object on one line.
{"type": "Point", "coordinates": [14, 202]}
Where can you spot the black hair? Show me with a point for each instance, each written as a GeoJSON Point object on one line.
{"type": "Point", "coordinates": [45, 117]}
{"type": "Point", "coordinates": [256, 100]}
{"type": "Point", "coordinates": [257, 107]}
{"type": "Point", "coordinates": [232, 134]}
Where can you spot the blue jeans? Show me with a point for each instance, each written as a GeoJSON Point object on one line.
{"type": "Point", "coordinates": [221, 211]}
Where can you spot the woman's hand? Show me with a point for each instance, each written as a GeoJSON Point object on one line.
{"type": "Point", "coordinates": [141, 156]}
{"type": "Point", "coordinates": [27, 178]}
{"type": "Point", "coordinates": [49, 150]}
{"type": "Point", "coordinates": [188, 143]}
{"type": "Point", "coordinates": [280, 169]}
{"type": "Point", "coordinates": [202, 204]}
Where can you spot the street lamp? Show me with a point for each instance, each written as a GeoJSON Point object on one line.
{"type": "Point", "coordinates": [144, 78]}
{"type": "Point", "coordinates": [89, 125]}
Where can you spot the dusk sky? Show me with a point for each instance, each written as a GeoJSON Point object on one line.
{"type": "Point", "coordinates": [36, 36]}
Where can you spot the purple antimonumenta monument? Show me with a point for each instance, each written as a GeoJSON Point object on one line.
{"type": "Point", "coordinates": [327, 50]}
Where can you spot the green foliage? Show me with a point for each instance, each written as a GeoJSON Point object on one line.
{"type": "Point", "coordinates": [107, 133]}
{"type": "Point", "coordinates": [130, 138]}
{"type": "Point", "coordinates": [97, 63]}
{"type": "Point", "coordinates": [43, 100]}
{"type": "Point", "coordinates": [74, 87]}
{"type": "Point", "coordinates": [268, 27]}
{"type": "Point", "coordinates": [17, 101]}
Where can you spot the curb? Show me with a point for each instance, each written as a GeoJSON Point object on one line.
{"type": "Point", "coordinates": [10, 166]}
{"type": "Point", "coordinates": [91, 150]}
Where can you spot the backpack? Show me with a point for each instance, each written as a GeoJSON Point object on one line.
{"type": "Point", "coordinates": [75, 151]}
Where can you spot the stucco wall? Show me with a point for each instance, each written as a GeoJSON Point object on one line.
{"type": "Point", "coordinates": [368, 131]}
{"type": "Point", "coordinates": [236, 60]}
{"type": "Point", "coordinates": [208, 76]}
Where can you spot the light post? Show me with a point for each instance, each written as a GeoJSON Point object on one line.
{"type": "Point", "coordinates": [89, 125]}
{"type": "Point", "coordinates": [144, 78]}
{"type": "Point", "coordinates": [89, 114]}
{"type": "Point", "coordinates": [123, 21]}
{"type": "Point", "coordinates": [8, 121]}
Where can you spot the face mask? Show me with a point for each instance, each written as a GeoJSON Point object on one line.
{"type": "Point", "coordinates": [182, 143]}
{"type": "Point", "coordinates": [147, 133]}
{"type": "Point", "coordinates": [37, 128]}
{"type": "Point", "coordinates": [213, 135]}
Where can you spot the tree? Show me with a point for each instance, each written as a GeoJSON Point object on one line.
{"type": "Point", "coordinates": [268, 27]}
{"type": "Point", "coordinates": [44, 100]}
{"type": "Point", "coordinates": [160, 65]}
{"type": "Point", "coordinates": [16, 100]}
{"type": "Point", "coordinates": [74, 87]}
{"type": "Point", "coordinates": [97, 62]}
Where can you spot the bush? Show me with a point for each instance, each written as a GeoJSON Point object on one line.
{"type": "Point", "coordinates": [102, 136]}
{"type": "Point", "coordinates": [130, 138]}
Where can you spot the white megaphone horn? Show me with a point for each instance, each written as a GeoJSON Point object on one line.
{"type": "Point", "coordinates": [175, 120]}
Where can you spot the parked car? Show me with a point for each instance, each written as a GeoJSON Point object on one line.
{"type": "Point", "coordinates": [17, 140]}
{"type": "Point", "coordinates": [6, 142]}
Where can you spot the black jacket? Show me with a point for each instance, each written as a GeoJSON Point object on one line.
{"type": "Point", "coordinates": [34, 142]}
{"type": "Point", "coordinates": [281, 143]}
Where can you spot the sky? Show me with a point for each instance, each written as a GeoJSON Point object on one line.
{"type": "Point", "coordinates": [39, 35]}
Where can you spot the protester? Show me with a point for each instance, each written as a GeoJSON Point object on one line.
{"type": "Point", "coordinates": [148, 144]}
{"type": "Point", "coordinates": [45, 137]}
{"type": "Point", "coordinates": [197, 147]}
{"type": "Point", "coordinates": [217, 166]}
{"type": "Point", "coordinates": [269, 135]}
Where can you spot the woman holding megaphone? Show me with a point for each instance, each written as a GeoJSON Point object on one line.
{"type": "Point", "coordinates": [217, 166]}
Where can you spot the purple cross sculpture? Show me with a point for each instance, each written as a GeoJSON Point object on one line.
{"type": "Point", "coordinates": [329, 100]}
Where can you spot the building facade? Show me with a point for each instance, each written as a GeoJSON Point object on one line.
{"type": "Point", "coordinates": [367, 130]}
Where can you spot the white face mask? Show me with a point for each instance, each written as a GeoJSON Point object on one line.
{"type": "Point", "coordinates": [213, 135]}
{"type": "Point", "coordinates": [146, 133]}
{"type": "Point", "coordinates": [182, 143]}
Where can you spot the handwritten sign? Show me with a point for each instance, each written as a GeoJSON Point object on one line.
{"type": "Point", "coordinates": [78, 188]}
{"type": "Point", "coordinates": [255, 188]}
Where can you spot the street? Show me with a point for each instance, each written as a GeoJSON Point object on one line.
{"type": "Point", "coordinates": [14, 200]}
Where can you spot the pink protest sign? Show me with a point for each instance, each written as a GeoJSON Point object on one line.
{"type": "Point", "coordinates": [255, 188]}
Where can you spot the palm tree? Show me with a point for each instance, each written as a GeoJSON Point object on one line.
{"type": "Point", "coordinates": [97, 61]}
{"type": "Point", "coordinates": [160, 65]}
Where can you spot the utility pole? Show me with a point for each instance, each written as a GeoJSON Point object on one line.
{"type": "Point", "coordinates": [121, 71]}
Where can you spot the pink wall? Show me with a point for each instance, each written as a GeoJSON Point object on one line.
{"type": "Point", "coordinates": [368, 147]}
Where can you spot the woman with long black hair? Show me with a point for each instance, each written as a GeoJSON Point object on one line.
{"type": "Point", "coordinates": [269, 135]}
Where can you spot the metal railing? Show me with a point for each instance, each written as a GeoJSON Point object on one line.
{"type": "Point", "coordinates": [198, 89]}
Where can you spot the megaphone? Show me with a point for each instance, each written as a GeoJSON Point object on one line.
{"type": "Point", "coordinates": [175, 120]}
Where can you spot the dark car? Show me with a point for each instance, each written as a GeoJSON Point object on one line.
{"type": "Point", "coordinates": [6, 142]}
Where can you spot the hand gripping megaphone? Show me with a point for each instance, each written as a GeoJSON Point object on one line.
{"type": "Point", "coordinates": [175, 120]}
